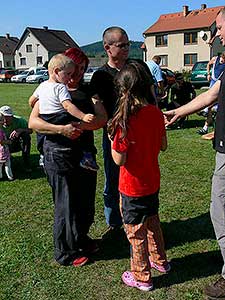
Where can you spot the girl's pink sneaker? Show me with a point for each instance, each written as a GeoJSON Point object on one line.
{"type": "Point", "coordinates": [163, 269]}
{"type": "Point", "coordinates": [129, 280]}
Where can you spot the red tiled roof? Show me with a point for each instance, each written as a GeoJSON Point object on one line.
{"type": "Point", "coordinates": [199, 18]}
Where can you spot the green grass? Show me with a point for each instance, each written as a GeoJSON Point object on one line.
{"type": "Point", "coordinates": [27, 269]}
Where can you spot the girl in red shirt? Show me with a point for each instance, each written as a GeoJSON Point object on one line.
{"type": "Point", "coordinates": [138, 134]}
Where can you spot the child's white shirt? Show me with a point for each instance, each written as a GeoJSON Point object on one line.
{"type": "Point", "coordinates": [51, 95]}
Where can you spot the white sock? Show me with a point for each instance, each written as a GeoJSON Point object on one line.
{"type": "Point", "coordinates": [205, 127]}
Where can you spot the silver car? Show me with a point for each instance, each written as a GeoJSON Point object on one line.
{"type": "Point", "coordinates": [20, 77]}
{"type": "Point", "coordinates": [39, 77]}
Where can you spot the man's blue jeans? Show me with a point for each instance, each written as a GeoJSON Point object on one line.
{"type": "Point", "coordinates": [111, 193]}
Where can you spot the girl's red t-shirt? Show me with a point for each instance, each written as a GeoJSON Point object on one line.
{"type": "Point", "coordinates": [140, 175]}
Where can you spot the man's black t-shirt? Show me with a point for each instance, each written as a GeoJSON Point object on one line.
{"type": "Point", "coordinates": [103, 85]}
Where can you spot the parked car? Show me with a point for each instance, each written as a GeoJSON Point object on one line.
{"type": "Point", "coordinates": [169, 76]}
{"type": "Point", "coordinates": [5, 75]}
{"type": "Point", "coordinates": [199, 74]}
{"type": "Point", "coordinates": [34, 70]}
{"type": "Point", "coordinates": [21, 77]}
{"type": "Point", "coordinates": [89, 73]}
{"type": "Point", "coordinates": [39, 77]}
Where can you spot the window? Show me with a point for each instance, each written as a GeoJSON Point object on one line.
{"type": "Point", "coordinates": [190, 59]}
{"type": "Point", "coordinates": [190, 38]}
{"type": "Point", "coordinates": [39, 60]}
{"type": "Point", "coordinates": [23, 61]}
{"type": "Point", "coordinates": [8, 64]}
{"type": "Point", "coordinates": [161, 40]}
{"type": "Point", "coordinates": [29, 48]}
{"type": "Point", "coordinates": [164, 60]}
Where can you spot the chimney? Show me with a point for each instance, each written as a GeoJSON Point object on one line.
{"type": "Point", "coordinates": [45, 28]}
{"type": "Point", "coordinates": [203, 6]}
{"type": "Point", "coordinates": [185, 10]}
{"type": "Point", "coordinates": [7, 35]}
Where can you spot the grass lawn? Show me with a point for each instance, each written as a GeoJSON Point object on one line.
{"type": "Point", "coordinates": [28, 271]}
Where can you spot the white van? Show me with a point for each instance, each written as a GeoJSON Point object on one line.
{"type": "Point", "coordinates": [34, 70]}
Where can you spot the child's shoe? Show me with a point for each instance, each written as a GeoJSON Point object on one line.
{"type": "Point", "coordinates": [163, 269]}
{"type": "Point", "coordinates": [129, 280]}
{"type": "Point", "coordinates": [88, 162]}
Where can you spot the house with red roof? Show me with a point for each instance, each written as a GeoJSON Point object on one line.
{"type": "Point", "coordinates": [183, 38]}
{"type": "Point", "coordinates": [37, 45]}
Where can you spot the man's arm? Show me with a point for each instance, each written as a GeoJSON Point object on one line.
{"type": "Point", "coordinates": [209, 65]}
{"type": "Point", "coordinates": [203, 100]}
{"type": "Point", "coordinates": [161, 87]}
{"type": "Point", "coordinates": [18, 131]}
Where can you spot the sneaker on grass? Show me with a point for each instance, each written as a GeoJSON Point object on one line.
{"type": "Point", "coordinates": [80, 261]}
{"type": "Point", "coordinates": [162, 269]}
{"type": "Point", "coordinates": [130, 281]}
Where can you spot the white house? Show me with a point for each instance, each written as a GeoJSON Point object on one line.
{"type": "Point", "coordinates": [38, 45]}
{"type": "Point", "coordinates": [7, 45]}
{"type": "Point", "coordinates": [182, 38]}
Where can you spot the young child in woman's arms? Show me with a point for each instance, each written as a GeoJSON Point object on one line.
{"type": "Point", "coordinates": [4, 153]}
{"type": "Point", "coordinates": [54, 97]}
{"type": "Point", "coordinates": [138, 134]}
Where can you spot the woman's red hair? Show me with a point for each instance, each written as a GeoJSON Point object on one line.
{"type": "Point", "coordinates": [77, 55]}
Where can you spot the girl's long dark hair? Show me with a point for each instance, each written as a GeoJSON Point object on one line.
{"type": "Point", "coordinates": [133, 84]}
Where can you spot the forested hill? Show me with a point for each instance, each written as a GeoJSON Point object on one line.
{"type": "Point", "coordinates": [96, 50]}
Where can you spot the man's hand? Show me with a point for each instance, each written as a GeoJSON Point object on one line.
{"type": "Point", "coordinates": [71, 130]}
{"type": "Point", "coordinates": [14, 134]}
{"type": "Point", "coordinates": [170, 117]}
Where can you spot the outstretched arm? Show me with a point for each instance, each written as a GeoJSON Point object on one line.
{"type": "Point", "coordinates": [201, 101]}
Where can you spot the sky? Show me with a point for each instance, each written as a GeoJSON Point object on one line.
{"type": "Point", "coordinates": [85, 20]}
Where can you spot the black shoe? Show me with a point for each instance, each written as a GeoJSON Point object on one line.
{"type": "Point", "coordinates": [202, 131]}
{"type": "Point", "coordinates": [216, 290]}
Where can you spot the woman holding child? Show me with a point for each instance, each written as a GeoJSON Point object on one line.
{"type": "Point", "coordinates": [73, 186]}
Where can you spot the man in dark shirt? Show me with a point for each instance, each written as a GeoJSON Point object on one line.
{"type": "Point", "coordinates": [116, 45]}
{"type": "Point", "coordinates": [182, 92]}
{"type": "Point", "coordinates": [217, 208]}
